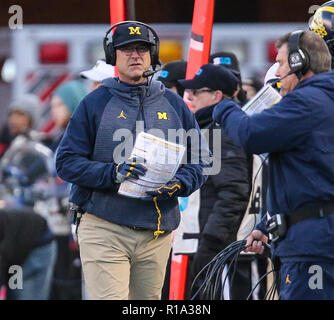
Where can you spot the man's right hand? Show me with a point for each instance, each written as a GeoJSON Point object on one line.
{"type": "Point", "coordinates": [255, 242]}
{"type": "Point", "coordinates": [129, 169]}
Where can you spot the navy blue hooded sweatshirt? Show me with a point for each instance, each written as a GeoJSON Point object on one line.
{"type": "Point", "coordinates": [85, 154]}
{"type": "Point", "coordinates": [298, 133]}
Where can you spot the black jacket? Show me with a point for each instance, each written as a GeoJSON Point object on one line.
{"type": "Point", "coordinates": [21, 230]}
{"type": "Point", "coordinates": [224, 197]}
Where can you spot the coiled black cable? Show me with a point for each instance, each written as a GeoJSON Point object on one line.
{"type": "Point", "coordinates": [227, 258]}
{"type": "Point", "coordinates": [214, 269]}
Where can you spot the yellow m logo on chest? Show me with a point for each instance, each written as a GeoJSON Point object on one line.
{"type": "Point", "coordinates": [162, 115]}
{"type": "Point", "coordinates": [134, 30]}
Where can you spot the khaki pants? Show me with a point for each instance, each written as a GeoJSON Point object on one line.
{"type": "Point", "coordinates": [119, 263]}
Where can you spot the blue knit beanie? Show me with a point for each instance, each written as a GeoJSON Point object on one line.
{"type": "Point", "coordinates": [71, 93]}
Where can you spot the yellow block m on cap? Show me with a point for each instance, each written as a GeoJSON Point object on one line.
{"type": "Point", "coordinates": [134, 30]}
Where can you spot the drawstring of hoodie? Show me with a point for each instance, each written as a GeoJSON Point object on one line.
{"type": "Point", "coordinates": [142, 96]}
{"type": "Point", "coordinates": [157, 232]}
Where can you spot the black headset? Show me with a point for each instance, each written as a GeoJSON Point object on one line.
{"type": "Point", "coordinates": [110, 50]}
{"type": "Point", "coordinates": [299, 59]}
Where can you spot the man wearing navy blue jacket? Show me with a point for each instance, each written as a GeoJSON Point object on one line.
{"type": "Point", "coordinates": [119, 258]}
{"type": "Point", "coordinates": [298, 135]}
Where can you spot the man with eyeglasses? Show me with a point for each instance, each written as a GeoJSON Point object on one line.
{"type": "Point", "coordinates": [125, 242]}
{"type": "Point", "coordinates": [224, 197]}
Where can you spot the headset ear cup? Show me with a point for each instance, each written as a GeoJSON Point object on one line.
{"type": "Point", "coordinates": [112, 54]}
{"type": "Point", "coordinates": [298, 58]}
{"type": "Point", "coordinates": [109, 51]}
{"type": "Point", "coordinates": [109, 58]}
{"type": "Point", "coordinates": [154, 56]}
{"type": "Point", "coordinates": [105, 48]}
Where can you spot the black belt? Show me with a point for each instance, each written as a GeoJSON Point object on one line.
{"type": "Point", "coordinates": [139, 228]}
{"type": "Point", "coordinates": [308, 213]}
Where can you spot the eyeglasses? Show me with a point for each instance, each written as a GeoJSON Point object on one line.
{"type": "Point", "coordinates": [197, 91]}
{"type": "Point", "coordinates": [129, 49]}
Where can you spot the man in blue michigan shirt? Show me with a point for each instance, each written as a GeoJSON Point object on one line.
{"type": "Point", "coordinates": [119, 258]}
{"type": "Point", "coordinates": [298, 134]}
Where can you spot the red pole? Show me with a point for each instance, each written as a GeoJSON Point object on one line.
{"type": "Point", "coordinates": [117, 11]}
{"type": "Point", "coordinates": [199, 52]}
{"type": "Point", "coordinates": [201, 31]}
{"type": "Point", "coordinates": [117, 14]}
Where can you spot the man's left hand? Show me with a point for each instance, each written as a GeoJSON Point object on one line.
{"type": "Point", "coordinates": [171, 189]}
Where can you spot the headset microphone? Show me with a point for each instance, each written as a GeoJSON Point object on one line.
{"type": "Point", "coordinates": [280, 79]}
{"type": "Point", "coordinates": [288, 74]}
{"type": "Point", "coordinates": [149, 73]}
{"type": "Point", "coordinates": [277, 83]}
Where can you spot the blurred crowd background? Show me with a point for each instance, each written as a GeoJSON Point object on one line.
{"type": "Point", "coordinates": [41, 62]}
{"type": "Point", "coordinates": [60, 39]}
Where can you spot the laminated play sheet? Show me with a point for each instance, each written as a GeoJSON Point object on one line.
{"type": "Point", "coordinates": [264, 99]}
{"type": "Point", "coordinates": [161, 158]}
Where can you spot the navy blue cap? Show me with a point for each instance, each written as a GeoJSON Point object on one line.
{"type": "Point", "coordinates": [173, 71]}
{"type": "Point", "coordinates": [131, 32]}
{"type": "Point", "coordinates": [227, 59]}
{"type": "Point", "coordinates": [215, 77]}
